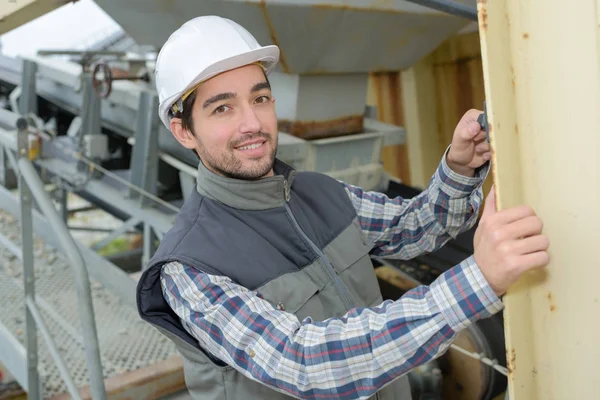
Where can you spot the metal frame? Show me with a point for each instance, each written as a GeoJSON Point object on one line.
{"type": "Point", "coordinates": [14, 357]}
{"type": "Point", "coordinates": [30, 188]}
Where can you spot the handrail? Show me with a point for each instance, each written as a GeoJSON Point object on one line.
{"type": "Point", "coordinates": [30, 177]}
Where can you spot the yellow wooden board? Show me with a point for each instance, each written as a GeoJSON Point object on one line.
{"type": "Point", "coordinates": [541, 67]}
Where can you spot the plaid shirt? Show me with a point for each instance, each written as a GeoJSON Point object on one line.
{"type": "Point", "coordinates": [354, 356]}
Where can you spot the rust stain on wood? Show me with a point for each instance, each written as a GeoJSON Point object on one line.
{"type": "Point", "coordinates": [551, 301]}
{"type": "Point", "coordinates": [511, 359]}
{"type": "Point", "coordinates": [482, 14]}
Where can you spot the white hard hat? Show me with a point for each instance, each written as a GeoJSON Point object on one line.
{"type": "Point", "coordinates": [200, 49]}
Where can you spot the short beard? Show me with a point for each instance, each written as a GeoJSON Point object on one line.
{"type": "Point", "coordinates": [231, 167]}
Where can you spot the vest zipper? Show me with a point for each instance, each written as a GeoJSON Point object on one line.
{"type": "Point", "coordinates": [328, 267]}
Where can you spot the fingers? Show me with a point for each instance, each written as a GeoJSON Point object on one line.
{"type": "Point", "coordinates": [482, 148]}
{"type": "Point", "coordinates": [472, 114]}
{"type": "Point", "coordinates": [509, 215]}
{"type": "Point", "coordinates": [525, 227]}
{"type": "Point", "coordinates": [533, 260]}
{"type": "Point", "coordinates": [532, 244]}
{"type": "Point", "coordinates": [480, 137]}
{"type": "Point", "coordinates": [489, 208]}
{"type": "Point", "coordinates": [472, 129]}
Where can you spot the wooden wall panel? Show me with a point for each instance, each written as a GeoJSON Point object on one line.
{"type": "Point", "coordinates": [428, 100]}
{"type": "Point", "coordinates": [542, 74]}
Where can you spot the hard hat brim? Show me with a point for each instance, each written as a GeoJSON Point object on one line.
{"type": "Point", "coordinates": [268, 55]}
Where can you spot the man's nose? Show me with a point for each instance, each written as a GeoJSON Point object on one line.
{"type": "Point", "coordinates": [250, 122]}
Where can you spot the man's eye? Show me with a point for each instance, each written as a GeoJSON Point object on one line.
{"type": "Point", "coordinates": [262, 99]}
{"type": "Point", "coordinates": [220, 109]}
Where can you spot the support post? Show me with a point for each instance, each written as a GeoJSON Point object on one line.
{"type": "Point", "coordinates": [144, 160]}
{"type": "Point", "coordinates": [8, 178]}
{"type": "Point", "coordinates": [541, 62]}
{"type": "Point", "coordinates": [425, 144]}
{"type": "Point", "coordinates": [33, 378]}
{"type": "Point", "coordinates": [149, 245]}
{"type": "Point", "coordinates": [28, 98]}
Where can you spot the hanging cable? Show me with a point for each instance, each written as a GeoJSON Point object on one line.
{"type": "Point", "coordinates": [481, 357]}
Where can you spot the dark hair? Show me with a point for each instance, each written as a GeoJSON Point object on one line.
{"type": "Point", "coordinates": [186, 116]}
{"type": "Point", "coordinates": [188, 105]}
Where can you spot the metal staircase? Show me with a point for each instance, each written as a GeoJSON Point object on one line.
{"type": "Point", "coordinates": [60, 331]}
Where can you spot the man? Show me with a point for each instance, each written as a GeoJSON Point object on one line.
{"type": "Point", "coordinates": [265, 282]}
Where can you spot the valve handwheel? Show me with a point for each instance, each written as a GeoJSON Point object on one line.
{"type": "Point", "coordinates": [102, 80]}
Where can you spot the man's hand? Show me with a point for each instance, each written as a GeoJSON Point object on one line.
{"type": "Point", "coordinates": [508, 243]}
{"type": "Point", "coordinates": [469, 149]}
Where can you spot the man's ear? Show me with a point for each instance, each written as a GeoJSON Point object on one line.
{"type": "Point", "coordinates": [183, 136]}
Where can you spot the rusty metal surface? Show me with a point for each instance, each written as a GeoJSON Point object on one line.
{"type": "Point", "coordinates": [314, 36]}
{"type": "Point", "coordinates": [323, 129]}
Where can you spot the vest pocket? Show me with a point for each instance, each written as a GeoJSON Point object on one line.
{"type": "Point", "coordinates": [348, 248]}
{"type": "Point", "coordinates": [350, 256]}
{"type": "Point", "coordinates": [296, 293]}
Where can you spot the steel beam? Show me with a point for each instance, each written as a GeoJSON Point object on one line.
{"type": "Point", "coordinates": [541, 62]}
{"type": "Point", "coordinates": [14, 357]}
{"type": "Point", "coordinates": [144, 161]}
{"type": "Point", "coordinates": [25, 195]}
{"type": "Point", "coordinates": [28, 97]}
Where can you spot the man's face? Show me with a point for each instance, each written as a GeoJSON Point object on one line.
{"type": "Point", "coordinates": [234, 124]}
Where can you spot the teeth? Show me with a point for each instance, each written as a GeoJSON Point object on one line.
{"type": "Point", "coordinates": [250, 147]}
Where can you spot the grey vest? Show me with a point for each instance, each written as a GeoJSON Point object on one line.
{"type": "Point", "coordinates": [294, 237]}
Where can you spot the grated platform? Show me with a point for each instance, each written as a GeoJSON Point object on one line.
{"type": "Point", "coordinates": [126, 342]}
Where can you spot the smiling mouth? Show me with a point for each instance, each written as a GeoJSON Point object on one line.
{"type": "Point", "coordinates": [251, 146]}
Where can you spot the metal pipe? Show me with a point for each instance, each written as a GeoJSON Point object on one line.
{"type": "Point", "coordinates": [77, 262]}
{"type": "Point", "coordinates": [11, 247]}
{"type": "Point", "coordinates": [449, 7]}
{"type": "Point", "coordinates": [11, 160]}
{"type": "Point", "coordinates": [33, 378]}
{"type": "Point", "coordinates": [60, 363]}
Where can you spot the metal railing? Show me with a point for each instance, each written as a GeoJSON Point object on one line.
{"type": "Point", "coordinates": [31, 187]}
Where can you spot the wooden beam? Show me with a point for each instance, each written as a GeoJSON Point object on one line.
{"type": "Point", "coordinates": [385, 93]}
{"type": "Point", "coordinates": [152, 382]}
{"type": "Point", "coordinates": [541, 62]}
{"type": "Point", "coordinates": [437, 91]}
{"type": "Point", "coordinates": [425, 142]}
{"type": "Point", "coordinates": [18, 12]}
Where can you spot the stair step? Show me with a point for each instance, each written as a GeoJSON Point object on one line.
{"type": "Point", "coordinates": [126, 342]}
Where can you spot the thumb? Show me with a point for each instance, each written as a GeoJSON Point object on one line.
{"type": "Point", "coordinates": [490, 203]}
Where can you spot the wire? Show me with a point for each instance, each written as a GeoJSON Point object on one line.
{"type": "Point", "coordinates": [481, 357]}
{"type": "Point", "coordinates": [78, 156]}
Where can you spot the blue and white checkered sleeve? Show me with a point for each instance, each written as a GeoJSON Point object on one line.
{"type": "Point", "coordinates": [350, 357]}
{"type": "Point", "coordinates": [405, 228]}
